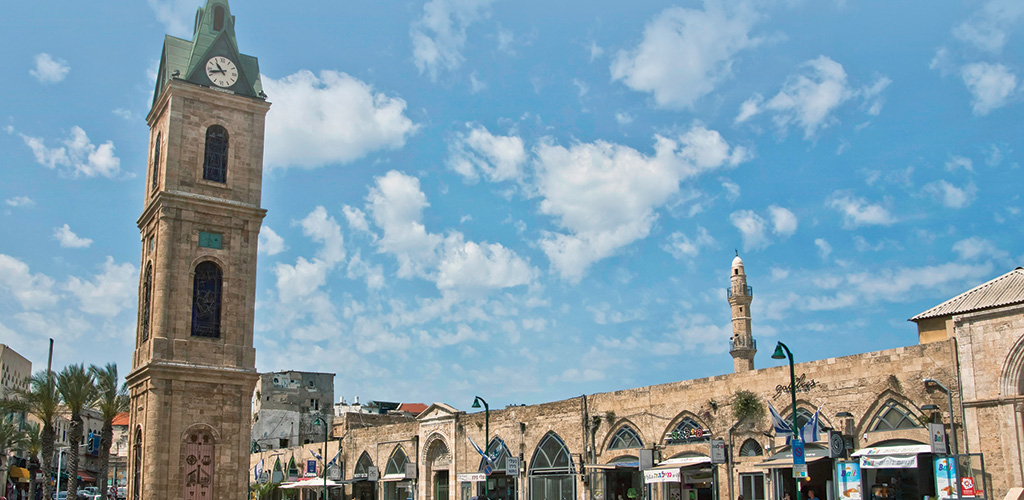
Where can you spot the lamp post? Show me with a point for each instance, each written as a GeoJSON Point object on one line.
{"type": "Point", "coordinates": [952, 432]}
{"type": "Point", "coordinates": [487, 433]}
{"type": "Point", "coordinates": [321, 421]}
{"type": "Point", "coordinates": [779, 354]}
{"type": "Point", "coordinates": [60, 457]}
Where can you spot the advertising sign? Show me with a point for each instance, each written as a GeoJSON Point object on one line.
{"type": "Point", "coordinates": [718, 451]}
{"type": "Point", "coordinates": [311, 467]}
{"type": "Point", "coordinates": [512, 466]}
{"type": "Point", "coordinates": [662, 476]}
{"type": "Point", "coordinates": [474, 477]}
{"type": "Point", "coordinates": [967, 486]}
{"type": "Point", "coordinates": [848, 480]}
{"type": "Point", "coordinates": [888, 462]}
{"type": "Point", "coordinates": [945, 477]}
{"type": "Point", "coordinates": [937, 433]}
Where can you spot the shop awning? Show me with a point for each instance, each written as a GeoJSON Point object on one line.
{"type": "Point", "coordinates": [675, 463]}
{"type": "Point", "coordinates": [86, 477]}
{"type": "Point", "coordinates": [312, 482]}
{"type": "Point", "coordinates": [784, 458]}
{"type": "Point", "coordinates": [613, 466]}
{"type": "Point", "coordinates": [19, 472]}
{"type": "Point", "coordinates": [891, 457]}
{"type": "Point", "coordinates": [393, 477]}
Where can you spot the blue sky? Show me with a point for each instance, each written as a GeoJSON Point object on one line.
{"type": "Point", "coordinates": [529, 201]}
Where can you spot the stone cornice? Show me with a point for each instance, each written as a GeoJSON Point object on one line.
{"type": "Point", "coordinates": [182, 199]}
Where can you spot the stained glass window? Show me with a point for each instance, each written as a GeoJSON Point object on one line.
{"type": "Point", "coordinates": [688, 430]}
{"type": "Point", "coordinates": [215, 161]}
{"type": "Point", "coordinates": [362, 470]}
{"type": "Point", "coordinates": [206, 300]}
{"type": "Point", "coordinates": [147, 297]}
{"type": "Point", "coordinates": [156, 161]}
{"type": "Point", "coordinates": [137, 458]}
{"type": "Point", "coordinates": [625, 438]}
{"type": "Point", "coordinates": [894, 416]}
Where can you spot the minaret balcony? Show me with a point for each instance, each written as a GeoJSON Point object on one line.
{"type": "Point", "coordinates": [750, 292]}
{"type": "Point", "coordinates": [741, 343]}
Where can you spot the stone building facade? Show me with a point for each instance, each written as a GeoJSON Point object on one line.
{"type": "Point", "coordinates": [286, 406]}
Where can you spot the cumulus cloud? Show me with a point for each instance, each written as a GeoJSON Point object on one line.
{"type": "Point", "coordinates": [682, 246]}
{"type": "Point", "coordinates": [467, 265]}
{"type": "Point", "coordinates": [107, 293]}
{"type": "Point", "coordinates": [32, 291]}
{"type": "Point", "coordinates": [439, 36]}
{"type": "Point", "coordinates": [949, 195]}
{"type": "Point", "coordinates": [270, 243]}
{"type": "Point", "coordinates": [809, 99]}
{"type": "Point", "coordinates": [333, 118]}
{"type": "Point", "coordinates": [989, 28]}
{"type": "Point", "coordinates": [976, 247]}
{"type": "Point", "coordinates": [303, 279]}
{"type": "Point", "coordinates": [20, 201]}
{"type": "Point", "coordinates": [896, 284]}
{"type": "Point", "coordinates": [783, 221]}
{"type": "Point", "coordinates": [49, 69]}
{"type": "Point", "coordinates": [751, 227]}
{"type": "Point", "coordinates": [956, 162]}
{"type": "Point", "coordinates": [478, 152]}
{"type": "Point", "coordinates": [990, 85]}
{"type": "Point", "coordinates": [824, 248]}
{"type": "Point", "coordinates": [686, 53]}
{"type": "Point", "coordinates": [605, 194]}
{"type": "Point", "coordinates": [77, 157]}
{"type": "Point", "coordinates": [69, 239]}
{"type": "Point", "coordinates": [858, 212]}
{"type": "Point", "coordinates": [175, 15]}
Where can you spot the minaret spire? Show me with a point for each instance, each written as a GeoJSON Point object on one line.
{"type": "Point", "coordinates": [743, 346]}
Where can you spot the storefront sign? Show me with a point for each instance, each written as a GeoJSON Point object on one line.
{"type": "Point", "coordinates": [945, 477]}
{"type": "Point", "coordinates": [718, 451]}
{"type": "Point", "coordinates": [311, 468]}
{"type": "Point", "coordinates": [802, 385]}
{"type": "Point", "coordinates": [937, 433]}
{"type": "Point", "coordinates": [372, 473]}
{"type": "Point", "coordinates": [848, 475]}
{"type": "Point", "coordinates": [662, 476]}
{"type": "Point", "coordinates": [474, 477]}
{"type": "Point", "coordinates": [512, 466]}
{"type": "Point", "coordinates": [888, 462]}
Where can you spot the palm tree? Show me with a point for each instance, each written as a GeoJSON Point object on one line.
{"type": "Point", "coordinates": [11, 438]}
{"type": "Point", "coordinates": [42, 399]}
{"type": "Point", "coordinates": [78, 390]}
{"type": "Point", "coordinates": [34, 445]}
{"type": "Point", "coordinates": [111, 399]}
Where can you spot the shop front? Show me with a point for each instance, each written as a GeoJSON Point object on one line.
{"type": "Point", "coordinates": [819, 472]}
{"type": "Point", "coordinates": [619, 479]}
{"type": "Point", "coordinates": [684, 477]}
{"type": "Point", "coordinates": [896, 471]}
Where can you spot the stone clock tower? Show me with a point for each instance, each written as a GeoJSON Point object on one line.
{"type": "Point", "coordinates": [193, 369]}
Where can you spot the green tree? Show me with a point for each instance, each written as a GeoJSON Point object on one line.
{"type": "Point", "coordinates": [34, 445]}
{"type": "Point", "coordinates": [111, 399]}
{"type": "Point", "coordinates": [11, 438]}
{"type": "Point", "coordinates": [78, 390]}
{"type": "Point", "coordinates": [42, 399]}
{"type": "Point", "coordinates": [746, 405]}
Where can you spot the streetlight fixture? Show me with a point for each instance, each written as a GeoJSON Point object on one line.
{"type": "Point", "coordinates": [783, 352]}
{"type": "Point", "coordinates": [487, 434]}
{"type": "Point", "coordinates": [952, 432]}
{"type": "Point", "coordinates": [321, 421]}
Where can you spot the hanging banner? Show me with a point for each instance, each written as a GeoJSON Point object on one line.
{"type": "Point", "coordinates": [945, 477]}
{"type": "Point", "coordinates": [662, 476]}
{"type": "Point", "coordinates": [888, 462]}
{"type": "Point", "coordinates": [848, 475]}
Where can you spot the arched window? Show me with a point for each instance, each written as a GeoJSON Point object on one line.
{"type": "Point", "coordinates": [215, 159]}
{"type": "Point", "coordinates": [396, 464]}
{"type": "Point", "coordinates": [218, 18]}
{"type": "Point", "coordinates": [499, 453]}
{"type": "Point", "coordinates": [396, 488]}
{"type": "Point", "coordinates": [198, 473]}
{"type": "Point", "coordinates": [551, 470]}
{"type": "Point", "coordinates": [156, 161]}
{"type": "Point", "coordinates": [147, 297]}
{"type": "Point", "coordinates": [892, 416]}
{"type": "Point", "coordinates": [362, 470]}
{"type": "Point", "coordinates": [625, 438]}
{"type": "Point", "coordinates": [137, 460]}
{"type": "Point", "coordinates": [751, 448]}
{"type": "Point", "coordinates": [293, 469]}
{"type": "Point", "coordinates": [278, 475]}
{"type": "Point", "coordinates": [688, 430]}
{"type": "Point", "coordinates": [206, 300]}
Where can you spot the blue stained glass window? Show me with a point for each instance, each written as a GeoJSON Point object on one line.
{"type": "Point", "coordinates": [206, 300]}
{"type": "Point", "coordinates": [215, 160]}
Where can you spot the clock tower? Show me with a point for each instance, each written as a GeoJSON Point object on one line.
{"type": "Point", "coordinates": [194, 365]}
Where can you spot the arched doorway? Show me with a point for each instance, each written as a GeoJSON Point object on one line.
{"type": "Point", "coordinates": [438, 463]}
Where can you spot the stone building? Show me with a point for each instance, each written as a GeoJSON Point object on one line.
{"type": "Point", "coordinates": [193, 367]}
{"type": "Point", "coordinates": [620, 445]}
{"type": "Point", "coordinates": [285, 406]}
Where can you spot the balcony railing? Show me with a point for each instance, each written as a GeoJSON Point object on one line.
{"type": "Point", "coordinates": [742, 343]}
{"type": "Point", "coordinates": [750, 291]}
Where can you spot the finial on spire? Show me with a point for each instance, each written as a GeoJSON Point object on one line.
{"type": "Point", "coordinates": [737, 252]}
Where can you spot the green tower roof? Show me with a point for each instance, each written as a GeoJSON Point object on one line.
{"type": "Point", "coordinates": [213, 35]}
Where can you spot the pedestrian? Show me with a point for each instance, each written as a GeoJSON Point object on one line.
{"type": "Point", "coordinates": [810, 495]}
{"type": "Point", "coordinates": [740, 497]}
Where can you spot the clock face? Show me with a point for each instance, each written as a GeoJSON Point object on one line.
{"type": "Point", "coordinates": [221, 71]}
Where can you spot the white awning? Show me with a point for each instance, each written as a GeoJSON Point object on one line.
{"type": "Point", "coordinates": [909, 449]}
{"type": "Point", "coordinates": [683, 462]}
{"type": "Point", "coordinates": [393, 477]}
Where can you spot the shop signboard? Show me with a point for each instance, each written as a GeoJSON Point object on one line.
{"type": "Point", "coordinates": [512, 466]}
{"type": "Point", "coordinates": [718, 451]}
{"type": "Point", "coordinates": [848, 480]}
{"type": "Point", "coordinates": [945, 477]}
{"type": "Point", "coordinates": [888, 462]}
{"type": "Point", "coordinates": [662, 476]}
{"type": "Point", "coordinates": [372, 473]}
{"type": "Point", "coordinates": [311, 468]}
{"type": "Point", "coordinates": [473, 477]}
{"type": "Point", "coordinates": [937, 433]}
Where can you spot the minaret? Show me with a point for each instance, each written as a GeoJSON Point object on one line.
{"type": "Point", "coordinates": [743, 346]}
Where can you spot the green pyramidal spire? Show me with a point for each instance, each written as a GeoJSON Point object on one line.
{"type": "Point", "coordinates": [211, 58]}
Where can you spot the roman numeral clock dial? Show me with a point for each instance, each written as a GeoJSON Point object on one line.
{"type": "Point", "coordinates": [221, 71]}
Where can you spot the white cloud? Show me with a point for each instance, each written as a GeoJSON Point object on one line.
{"type": "Point", "coordinates": [605, 194]}
{"type": "Point", "coordinates": [175, 15]}
{"type": "Point", "coordinates": [470, 266]}
{"type": "Point", "coordinates": [374, 275]}
{"type": "Point", "coordinates": [333, 118]}
{"type": "Point", "coordinates": [49, 69]}
{"type": "Point", "coordinates": [476, 85]}
{"type": "Point", "coordinates": [989, 28]}
{"type": "Point", "coordinates": [20, 201]}
{"type": "Point", "coordinates": [824, 249]}
{"type": "Point", "coordinates": [623, 118]}
{"type": "Point", "coordinates": [955, 162]}
{"type": "Point", "coordinates": [976, 247]}
{"type": "Point", "coordinates": [323, 229]}
{"type": "Point", "coordinates": [732, 190]}
{"type": "Point", "coordinates": [784, 223]}
{"type": "Point", "coordinates": [302, 280]}
{"type": "Point", "coordinates": [686, 53]}
{"type": "Point", "coordinates": [949, 195]}
{"type": "Point", "coordinates": [69, 239]}
{"type": "Point", "coordinates": [682, 246]}
{"type": "Point", "coordinates": [858, 212]}
{"type": "Point", "coordinates": [440, 35]}
{"type": "Point", "coordinates": [78, 156]}
{"type": "Point", "coordinates": [751, 227]}
{"type": "Point", "coordinates": [595, 50]}
{"type": "Point", "coordinates": [478, 152]}
{"type": "Point", "coordinates": [990, 85]}
{"type": "Point", "coordinates": [896, 285]}
{"type": "Point", "coordinates": [32, 291]}
{"type": "Point", "coordinates": [696, 332]}
{"type": "Point", "coordinates": [356, 218]}
{"type": "Point", "coordinates": [810, 99]}
{"type": "Point", "coordinates": [107, 293]}
{"type": "Point", "coordinates": [270, 243]}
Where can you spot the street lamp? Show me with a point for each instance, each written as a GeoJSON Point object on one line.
{"type": "Point", "coordinates": [779, 354]}
{"type": "Point", "coordinates": [487, 434]}
{"type": "Point", "coordinates": [321, 421]}
{"type": "Point", "coordinates": [949, 399]}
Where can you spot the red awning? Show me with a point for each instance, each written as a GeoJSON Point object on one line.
{"type": "Point", "coordinates": [86, 477]}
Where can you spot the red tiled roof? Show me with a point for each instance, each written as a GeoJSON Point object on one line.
{"type": "Point", "coordinates": [121, 419]}
{"type": "Point", "coordinates": [414, 408]}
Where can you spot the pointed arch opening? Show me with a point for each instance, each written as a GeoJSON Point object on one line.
{"type": "Point", "coordinates": [552, 474]}
{"type": "Point", "coordinates": [688, 430]}
{"type": "Point", "coordinates": [397, 484]}
{"type": "Point", "coordinates": [218, 18]}
{"type": "Point", "coordinates": [136, 477]}
{"type": "Point", "coordinates": [156, 161]}
{"type": "Point", "coordinates": [215, 158]}
{"type": "Point", "coordinates": [207, 287]}
{"type": "Point", "coordinates": [362, 488]}
{"type": "Point", "coordinates": [147, 297]}
{"type": "Point", "coordinates": [626, 438]}
{"type": "Point", "coordinates": [894, 416]}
